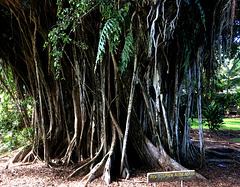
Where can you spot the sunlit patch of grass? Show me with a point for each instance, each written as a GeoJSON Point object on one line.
{"type": "Point", "coordinates": [236, 140]}
{"type": "Point", "coordinates": [229, 123]}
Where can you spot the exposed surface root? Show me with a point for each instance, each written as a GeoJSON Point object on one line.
{"type": "Point", "coordinates": [96, 171]}
{"type": "Point", "coordinates": [84, 169]}
{"type": "Point", "coordinates": [169, 163]}
{"type": "Point", "coordinates": [25, 154]}
{"type": "Point", "coordinates": [217, 154]}
{"type": "Point", "coordinates": [29, 157]}
{"type": "Point", "coordinates": [157, 157]}
{"type": "Point", "coordinates": [223, 150]}
{"type": "Point", "coordinates": [102, 168]}
{"type": "Point", "coordinates": [21, 154]}
{"type": "Point", "coordinates": [223, 160]}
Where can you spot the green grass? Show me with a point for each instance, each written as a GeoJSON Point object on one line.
{"type": "Point", "coordinates": [236, 140]}
{"type": "Point", "coordinates": [229, 123]}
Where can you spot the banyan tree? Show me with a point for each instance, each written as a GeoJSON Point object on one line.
{"type": "Point", "coordinates": [114, 82]}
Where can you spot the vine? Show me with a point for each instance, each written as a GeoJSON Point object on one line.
{"type": "Point", "coordinates": [68, 20]}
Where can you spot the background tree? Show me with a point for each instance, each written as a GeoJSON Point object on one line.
{"type": "Point", "coordinates": [230, 78]}
{"type": "Point", "coordinates": [114, 71]}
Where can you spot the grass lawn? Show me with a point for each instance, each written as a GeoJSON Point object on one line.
{"type": "Point", "coordinates": [236, 140]}
{"type": "Point", "coordinates": [229, 123]}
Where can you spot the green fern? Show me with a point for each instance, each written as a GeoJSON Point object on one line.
{"type": "Point", "coordinates": [127, 52]}
{"type": "Point", "coordinates": [111, 31]}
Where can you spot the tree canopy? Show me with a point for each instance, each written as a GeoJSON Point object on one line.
{"type": "Point", "coordinates": [115, 81]}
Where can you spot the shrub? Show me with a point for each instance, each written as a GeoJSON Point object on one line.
{"type": "Point", "coordinates": [213, 116]}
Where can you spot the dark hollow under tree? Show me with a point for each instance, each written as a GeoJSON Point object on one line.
{"type": "Point", "coordinates": [116, 81]}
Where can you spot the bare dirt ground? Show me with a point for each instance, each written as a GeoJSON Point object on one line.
{"type": "Point", "coordinates": [217, 173]}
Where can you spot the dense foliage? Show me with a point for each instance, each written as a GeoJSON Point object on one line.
{"type": "Point", "coordinates": [13, 115]}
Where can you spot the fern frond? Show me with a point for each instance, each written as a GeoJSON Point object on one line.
{"type": "Point", "coordinates": [110, 28]}
{"type": "Point", "coordinates": [127, 52]}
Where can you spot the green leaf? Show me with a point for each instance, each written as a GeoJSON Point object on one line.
{"type": "Point", "coordinates": [111, 28]}
{"type": "Point", "coordinates": [127, 52]}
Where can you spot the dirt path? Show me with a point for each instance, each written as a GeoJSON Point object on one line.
{"type": "Point", "coordinates": [217, 173]}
